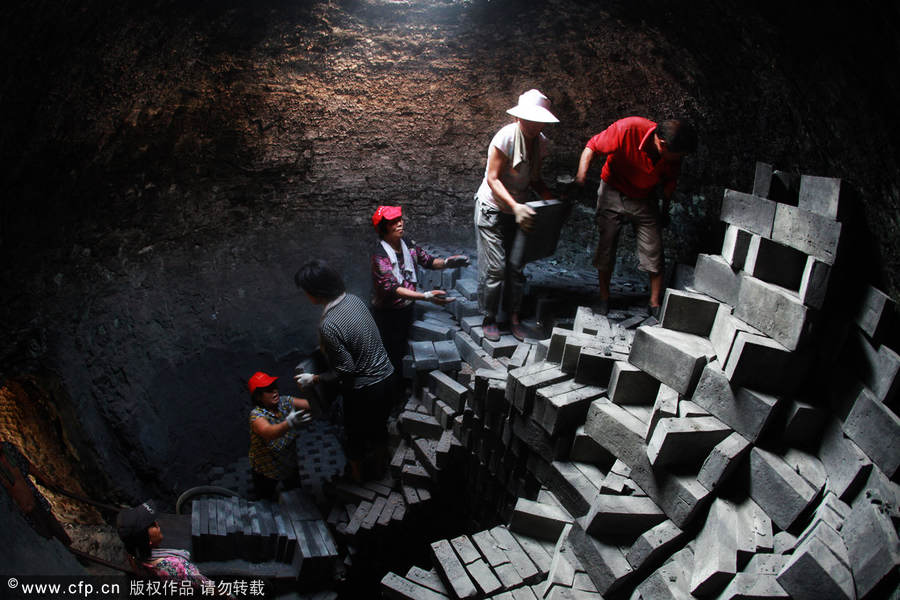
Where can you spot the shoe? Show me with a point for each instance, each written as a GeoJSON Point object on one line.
{"type": "Point", "coordinates": [654, 312]}
{"type": "Point", "coordinates": [519, 331]}
{"type": "Point", "coordinates": [490, 331]}
{"type": "Point", "coordinates": [601, 308]}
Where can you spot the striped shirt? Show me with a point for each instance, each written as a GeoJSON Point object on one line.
{"type": "Point", "coordinates": [350, 340]}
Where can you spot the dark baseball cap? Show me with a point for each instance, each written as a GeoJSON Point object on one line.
{"type": "Point", "coordinates": [133, 521]}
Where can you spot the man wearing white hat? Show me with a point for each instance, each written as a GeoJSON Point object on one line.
{"type": "Point", "coordinates": [513, 169]}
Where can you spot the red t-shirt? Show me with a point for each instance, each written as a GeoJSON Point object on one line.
{"type": "Point", "coordinates": [630, 167]}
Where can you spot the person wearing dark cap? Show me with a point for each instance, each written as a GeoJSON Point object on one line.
{"type": "Point", "coordinates": [643, 161]}
{"type": "Point", "coordinates": [350, 341]}
{"type": "Point", "coordinates": [511, 177]}
{"type": "Point", "coordinates": [142, 536]}
{"type": "Point", "coordinates": [394, 281]}
{"type": "Point", "coordinates": [273, 435]}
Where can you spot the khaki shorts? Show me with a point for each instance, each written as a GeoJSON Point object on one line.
{"type": "Point", "coordinates": [614, 209]}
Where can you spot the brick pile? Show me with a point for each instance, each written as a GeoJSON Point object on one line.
{"type": "Point", "coordinates": [700, 456]}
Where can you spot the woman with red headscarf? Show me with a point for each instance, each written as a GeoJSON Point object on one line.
{"type": "Point", "coordinates": [394, 281]}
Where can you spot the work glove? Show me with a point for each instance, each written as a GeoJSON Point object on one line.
{"type": "Point", "coordinates": [524, 216]}
{"type": "Point", "coordinates": [457, 260]}
{"type": "Point", "coordinates": [437, 297]}
{"type": "Point", "coordinates": [298, 417]}
{"type": "Point", "coordinates": [304, 379]}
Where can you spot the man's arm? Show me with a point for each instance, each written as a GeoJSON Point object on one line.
{"type": "Point", "coordinates": [587, 155]}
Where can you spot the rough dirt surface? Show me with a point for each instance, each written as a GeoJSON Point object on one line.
{"type": "Point", "coordinates": [168, 165]}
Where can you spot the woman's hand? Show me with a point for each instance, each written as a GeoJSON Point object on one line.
{"type": "Point", "coordinates": [438, 297]}
{"type": "Point", "coordinates": [457, 260]}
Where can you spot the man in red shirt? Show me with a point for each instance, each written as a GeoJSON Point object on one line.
{"type": "Point", "coordinates": [643, 159]}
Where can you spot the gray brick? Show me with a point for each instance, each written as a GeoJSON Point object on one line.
{"type": "Point", "coordinates": [665, 405]}
{"type": "Point", "coordinates": [562, 569]}
{"type": "Point", "coordinates": [778, 490]}
{"type": "Point", "coordinates": [565, 412]}
{"type": "Point", "coordinates": [586, 449]}
{"type": "Point", "coordinates": [540, 552]}
{"type": "Point", "coordinates": [876, 430]}
{"type": "Point", "coordinates": [620, 433]}
{"type": "Point", "coordinates": [689, 312]}
{"type": "Point", "coordinates": [628, 384]}
{"type": "Point", "coordinates": [504, 347]}
{"type": "Point", "coordinates": [424, 356]}
{"type": "Point", "coordinates": [429, 579]}
{"type": "Point", "coordinates": [541, 241]}
{"type": "Point", "coordinates": [749, 212]}
{"type": "Point", "coordinates": [773, 310]}
{"type": "Point", "coordinates": [588, 322]}
{"type": "Point", "coordinates": [621, 515]}
{"type": "Point", "coordinates": [873, 315]}
{"type": "Point", "coordinates": [735, 245]}
{"type": "Point", "coordinates": [872, 544]}
{"type": "Point", "coordinates": [420, 425]}
{"type": "Point", "coordinates": [604, 563]}
{"type": "Point", "coordinates": [807, 466]}
{"type": "Point", "coordinates": [814, 282]}
{"type": "Point", "coordinates": [575, 490]}
{"type": "Point", "coordinates": [744, 410]}
{"type": "Point", "coordinates": [806, 231]}
{"type": "Point", "coordinates": [715, 551]}
{"type": "Point", "coordinates": [761, 363]}
{"type": "Point", "coordinates": [449, 359]}
{"type": "Point", "coordinates": [453, 393]}
{"type": "Point", "coordinates": [452, 571]}
{"type": "Point", "coordinates": [517, 556]}
{"type": "Point", "coordinates": [431, 331]}
{"type": "Point", "coordinates": [723, 461]}
{"type": "Point", "coordinates": [686, 442]}
{"type": "Point", "coordinates": [753, 586]}
{"type": "Point", "coordinates": [815, 572]}
{"type": "Point", "coordinates": [846, 466]}
{"type": "Point", "coordinates": [468, 287]}
{"type": "Point", "coordinates": [725, 327]}
{"type": "Point", "coordinates": [595, 365]}
{"type": "Point", "coordinates": [755, 530]}
{"type": "Point", "coordinates": [654, 543]}
{"type": "Point", "coordinates": [484, 578]}
{"type": "Point", "coordinates": [541, 396]}
{"type": "Point", "coordinates": [673, 357]}
{"type": "Point", "coordinates": [400, 588]}
{"type": "Point", "coordinates": [538, 520]}
{"type": "Point", "coordinates": [527, 386]}
{"type": "Point", "coordinates": [775, 263]}
{"type": "Point", "coordinates": [820, 195]}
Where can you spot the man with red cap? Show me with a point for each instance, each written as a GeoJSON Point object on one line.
{"type": "Point", "coordinates": [394, 281]}
{"type": "Point", "coordinates": [273, 437]}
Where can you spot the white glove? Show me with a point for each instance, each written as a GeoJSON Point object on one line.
{"type": "Point", "coordinates": [292, 418]}
{"type": "Point", "coordinates": [429, 295]}
{"type": "Point", "coordinates": [304, 379]}
{"type": "Point", "coordinates": [524, 214]}
{"type": "Point", "coordinates": [298, 417]}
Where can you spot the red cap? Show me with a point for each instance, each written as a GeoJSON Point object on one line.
{"type": "Point", "coordinates": [260, 380]}
{"type": "Point", "coordinates": [388, 213]}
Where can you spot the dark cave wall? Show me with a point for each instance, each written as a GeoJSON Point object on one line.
{"type": "Point", "coordinates": [168, 166]}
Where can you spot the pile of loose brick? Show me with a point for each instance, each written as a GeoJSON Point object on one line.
{"type": "Point", "coordinates": [724, 452]}
{"type": "Point", "coordinates": [290, 531]}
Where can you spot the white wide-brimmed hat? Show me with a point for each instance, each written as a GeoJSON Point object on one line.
{"type": "Point", "coordinates": [533, 106]}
